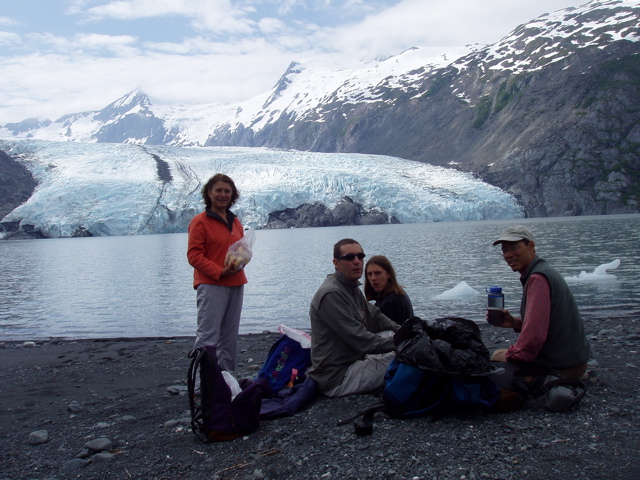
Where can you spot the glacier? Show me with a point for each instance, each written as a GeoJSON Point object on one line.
{"type": "Point", "coordinates": [119, 189]}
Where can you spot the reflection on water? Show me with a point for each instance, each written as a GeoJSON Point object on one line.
{"type": "Point", "coordinates": [141, 285]}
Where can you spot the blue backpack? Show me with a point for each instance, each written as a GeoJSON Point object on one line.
{"type": "Point", "coordinates": [286, 364]}
{"type": "Point", "coordinates": [411, 392]}
{"type": "Point", "coordinates": [440, 366]}
{"type": "Point", "coordinates": [414, 392]}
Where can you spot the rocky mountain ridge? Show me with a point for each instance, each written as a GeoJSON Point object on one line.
{"type": "Point", "coordinates": [549, 114]}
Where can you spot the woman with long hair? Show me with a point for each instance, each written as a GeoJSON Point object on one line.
{"type": "Point", "coordinates": [380, 284]}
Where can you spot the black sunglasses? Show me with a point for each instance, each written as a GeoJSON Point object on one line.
{"type": "Point", "coordinates": [350, 256]}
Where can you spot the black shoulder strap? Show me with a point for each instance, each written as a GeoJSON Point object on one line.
{"type": "Point", "coordinates": [194, 369]}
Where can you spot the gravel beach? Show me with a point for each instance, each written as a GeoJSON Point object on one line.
{"type": "Point", "coordinates": [117, 409]}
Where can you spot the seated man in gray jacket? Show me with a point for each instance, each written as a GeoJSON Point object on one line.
{"type": "Point", "coordinates": [351, 340]}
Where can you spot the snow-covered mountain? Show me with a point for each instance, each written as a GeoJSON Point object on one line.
{"type": "Point", "coordinates": [309, 92]}
{"type": "Point", "coordinates": [548, 114]}
{"type": "Point", "coordinates": [109, 189]}
{"type": "Point", "coordinates": [301, 90]}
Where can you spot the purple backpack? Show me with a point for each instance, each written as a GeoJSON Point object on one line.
{"type": "Point", "coordinates": [219, 418]}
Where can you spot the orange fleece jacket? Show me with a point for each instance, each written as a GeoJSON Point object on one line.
{"type": "Point", "coordinates": [209, 240]}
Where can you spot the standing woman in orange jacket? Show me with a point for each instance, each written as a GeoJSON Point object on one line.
{"type": "Point", "coordinates": [220, 287]}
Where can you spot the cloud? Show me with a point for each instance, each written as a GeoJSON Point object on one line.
{"type": "Point", "coordinates": [8, 38]}
{"type": "Point", "coordinates": [432, 23]}
{"type": "Point", "coordinates": [7, 22]}
{"type": "Point", "coordinates": [51, 85]}
{"type": "Point", "coordinates": [271, 25]}
{"type": "Point", "coordinates": [73, 7]}
{"type": "Point", "coordinates": [218, 16]}
{"type": "Point", "coordinates": [84, 43]}
{"type": "Point", "coordinates": [119, 45]}
{"type": "Point", "coordinates": [336, 10]}
{"type": "Point", "coordinates": [286, 6]}
{"type": "Point", "coordinates": [135, 9]}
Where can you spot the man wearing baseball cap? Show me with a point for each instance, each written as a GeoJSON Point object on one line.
{"type": "Point", "coordinates": [552, 337]}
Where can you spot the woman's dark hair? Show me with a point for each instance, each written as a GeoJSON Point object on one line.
{"type": "Point", "coordinates": [219, 177]}
{"type": "Point", "coordinates": [392, 285]}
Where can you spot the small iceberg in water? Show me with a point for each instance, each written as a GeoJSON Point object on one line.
{"type": "Point", "coordinates": [461, 291]}
{"type": "Point", "coordinates": [599, 274]}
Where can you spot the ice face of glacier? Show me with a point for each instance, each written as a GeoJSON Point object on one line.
{"type": "Point", "coordinates": [112, 189]}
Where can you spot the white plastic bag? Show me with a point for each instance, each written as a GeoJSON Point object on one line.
{"type": "Point", "coordinates": [240, 252]}
{"type": "Point", "coordinates": [303, 338]}
{"type": "Point", "coordinates": [233, 384]}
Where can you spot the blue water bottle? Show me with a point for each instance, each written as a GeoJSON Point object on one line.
{"type": "Point", "coordinates": [495, 305]}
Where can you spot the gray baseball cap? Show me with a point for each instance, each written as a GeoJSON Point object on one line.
{"type": "Point", "coordinates": [515, 233]}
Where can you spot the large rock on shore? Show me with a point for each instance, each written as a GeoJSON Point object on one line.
{"type": "Point", "coordinates": [347, 212]}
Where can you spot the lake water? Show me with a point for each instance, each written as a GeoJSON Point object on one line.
{"type": "Point", "coordinates": [140, 286]}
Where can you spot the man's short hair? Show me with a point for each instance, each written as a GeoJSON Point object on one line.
{"type": "Point", "coordinates": [345, 241]}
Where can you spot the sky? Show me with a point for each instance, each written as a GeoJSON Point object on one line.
{"type": "Point", "coordinates": [67, 56]}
